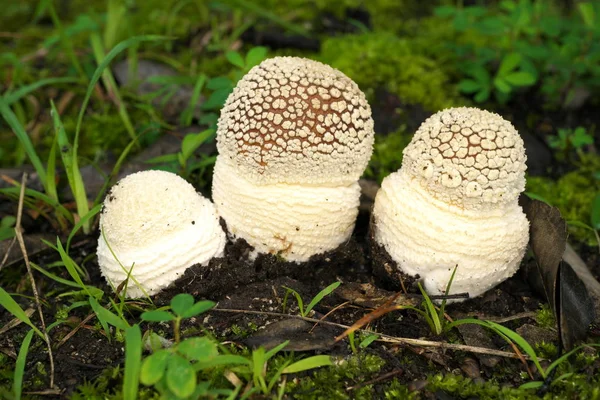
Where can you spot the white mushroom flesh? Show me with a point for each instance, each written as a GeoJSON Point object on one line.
{"type": "Point", "coordinates": [291, 221]}
{"type": "Point", "coordinates": [454, 203]}
{"type": "Point", "coordinates": [157, 225]}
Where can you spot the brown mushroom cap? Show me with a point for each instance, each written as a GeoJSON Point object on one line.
{"type": "Point", "coordinates": [294, 120]}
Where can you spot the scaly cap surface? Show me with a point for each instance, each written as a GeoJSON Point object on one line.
{"type": "Point", "coordinates": [467, 157]}
{"type": "Point", "coordinates": [294, 120]}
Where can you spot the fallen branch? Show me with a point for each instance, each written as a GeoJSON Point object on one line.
{"type": "Point", "coordinates": [19, 234]}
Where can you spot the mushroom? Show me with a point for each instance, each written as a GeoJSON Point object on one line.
{"type": "Point", "coordinates": [454, 203]}
{"type": "Point", "coordinates": [293, 139]}
{"type": "Point", "coordinates": [157, 225]}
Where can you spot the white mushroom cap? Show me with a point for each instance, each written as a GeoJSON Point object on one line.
{"type": "Point", "coordinates": [157, 222]}
{"type": "Point", "coordinates": [467, 157]}
{"type": "Point", "coordinates": [429, 218]}
{"type": "Point", "coordinates": [294, 120]}
{"type": "Point", "coordinates": [291, 221]}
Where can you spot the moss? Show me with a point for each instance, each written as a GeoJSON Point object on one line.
{"type": "Point", "coordinates": [573, 194]}
{"type": "Point", "coordinates": [332, 383]}
{"type": "Point", "coordinates": [382, 60]}
{"type": "Point", "coordinates": [387, 154]}
{"type": "Point", "coordinates": [544, 317]}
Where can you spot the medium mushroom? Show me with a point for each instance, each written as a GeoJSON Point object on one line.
{"type": "Point", "coordinates": [454, 203]}
{"type": "Point", "coordinates": [157, 225]}
{"type": "Point", "coordinates": [293, 139]}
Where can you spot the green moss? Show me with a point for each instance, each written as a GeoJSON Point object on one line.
{"type": "Point", "coordinates": [573, 194]}
{"type": "Point", "coordinates": [544, 317]}
{"type": "Point", "coordinates": [382, 60]}
{"type": "Point", "coordinates": [387, 154]}
{"type": "Point", "coordinates": [332, 383]}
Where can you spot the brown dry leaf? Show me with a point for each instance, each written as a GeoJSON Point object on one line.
{"type": "Point", "coordinates": [564, 289]}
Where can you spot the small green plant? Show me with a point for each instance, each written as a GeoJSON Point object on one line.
{"type": "Point", "coordinates": [221, 86]}
{"type": "Point", "coordinates": [185, 162]}
{"type": "Point", "coordinates": [182, 307]}
{"type": "Point", "coordinates": [570, 139]}
{"type": "Point", "coordinates": [305, 311]}
{"type": "Point", "coordinates": [509, 76]}
{"type": "Point", "coordinates": [557, 48]}
{"type": "Point", "coordinates": [173, 371]}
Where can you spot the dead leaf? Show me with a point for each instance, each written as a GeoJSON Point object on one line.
{"type": "Point", "coordinates": [563, 288]}
{"type": "Point", "coordinates": [301, 336]}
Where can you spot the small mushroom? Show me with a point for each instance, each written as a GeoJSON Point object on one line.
{"type": "Point", "coordinates": [157, 225]}
{"type": "Point", "coordinates": [454, 203]}
{"type": "Point", "coordinates": [293, 139]}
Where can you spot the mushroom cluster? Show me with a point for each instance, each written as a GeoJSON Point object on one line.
{"type": "Point", "coordinates": [454, 203]}
{"type": "Point", "coordinates": [293, 139]}
{"type": "Point", "coordinates": [154, 225]}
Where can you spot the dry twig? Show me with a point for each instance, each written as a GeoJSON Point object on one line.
{"type": "Point", "coordinates": [388, 338]}
{"type": "Point", "coordinates": [19, 234]}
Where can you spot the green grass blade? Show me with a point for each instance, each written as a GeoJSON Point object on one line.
{"type": "Point", "coordinates": [275, 350]}
{"type": "Point", "coordinates": [133, 362]}
{"type": "Point", "coordinates": [98, 73]}
{"type": "Point", "coordinates": [51, 171]}
{"type": "Point", "coordinates": [111, 85]}
{"type": "Point", "coordinates": [443, 306]}
{"type": "Point", "coordinates": [15, 309]}
{"type": "Point", "coordinates": [521, 342]}
{"type": "Point", "coordinates": [14, 193]}
{"type": "Point", "coordinates": [55, 278]}
{"type": "Point", "coordinates": [265, 13]}
{"type": "Point", "coordinates": [10, 98]}
{"type": "Point", "coordinates": [188, 113]}
{"type": "Point", "coordinates": [70, 266]}
{"type": "Point", "coordinates": [65, 41]}
{"type": "Point", "coordinates": [430, 312]}
{"type": "Point", "coordinates": [308, 363]}
{"type": "Point", "coordinates": [320, 296]}
{"type": "Point", "coordinates": [107, 317]}
{"type": "Point", "coordinates": [20, 365]}
{"type": "Point", "coordinates": [12, 121]}
{"type": "Point", "coordinates": [69, 159]}
{"type": "Point", "coordinates": [298, 299]}
{"type": "Point", "coordinates": [115, 170]}
{"type": "Point", "coordinates": [84, 220]}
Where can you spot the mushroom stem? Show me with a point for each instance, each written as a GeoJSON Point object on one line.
{"type": "Point", "coordinates": [293, 221]}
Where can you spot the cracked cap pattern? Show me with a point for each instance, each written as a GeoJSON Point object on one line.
{"type": "Point", "coordinates": [294, 120]}
{"type": "Point", "coordinates": [467, 157]}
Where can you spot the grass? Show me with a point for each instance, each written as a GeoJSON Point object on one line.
{"type": "Point", "coordinates": [80, 50]}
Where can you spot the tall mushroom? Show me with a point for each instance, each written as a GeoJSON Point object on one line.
{"type": "Point", "coordinates": [293, 139]}
{"type": "Point", "coordinates": [155, 225]}
{"type": "Point", "coordinates": [454, 203]}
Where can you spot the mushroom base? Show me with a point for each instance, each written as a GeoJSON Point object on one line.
{"type": "Point", "coordinates": [291, 221]}
{"type": "Point", "coordinates": [429, 238]}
